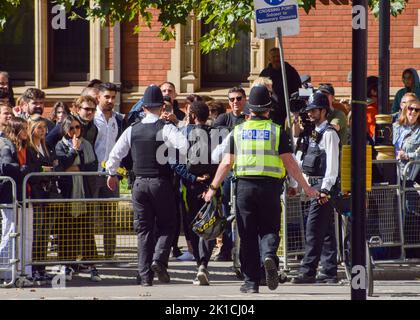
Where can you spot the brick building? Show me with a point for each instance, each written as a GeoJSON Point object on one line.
{"type": "Point", "coordinates": [61, 61]}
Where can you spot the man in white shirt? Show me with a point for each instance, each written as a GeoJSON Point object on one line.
{"type": "Point", "coordinates": [152, 193]}
{"type": "Point", "coordinates": [321, 165]}
{"type": "Point", "coordinates": [110, 125]}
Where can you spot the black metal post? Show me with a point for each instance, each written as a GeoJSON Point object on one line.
{"type": "Point", "coordinates": [358, 148]}
{"type": "Point", "coordinates": [384, 38]}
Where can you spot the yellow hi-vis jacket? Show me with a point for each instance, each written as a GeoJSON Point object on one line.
{"type": "Point", "coordinates": [257, 149]}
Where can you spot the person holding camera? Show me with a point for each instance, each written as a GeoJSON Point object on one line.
{"type": "Point", "coordinates": [321, 164]}
{"type": "Point", "coordinates": [260, 152]}
{"type": "Point", "coordinates": [152, 193]}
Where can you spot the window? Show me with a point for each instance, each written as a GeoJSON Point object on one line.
{"type": "Point", "coordinates": [228, 67]}
{"type": "Point", "coordinates": [68, 50]}
{"type": "Point", "coordinates": [17, 45]}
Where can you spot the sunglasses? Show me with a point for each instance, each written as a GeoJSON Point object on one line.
{"type": "Point", "coordinates": [74, 128]}
{"type": "Point", "coordinates": [413, 109]}
{"type": "Point", "coordinates": [238, 98]}
{"type": "Point", "coordinates": [89, 109]}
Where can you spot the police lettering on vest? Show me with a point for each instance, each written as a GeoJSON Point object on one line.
{"type": "Point", "coordinates": [257, 143]}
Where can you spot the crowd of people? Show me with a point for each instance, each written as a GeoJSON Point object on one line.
{"type": "Point", "coordinates": [81, 137]}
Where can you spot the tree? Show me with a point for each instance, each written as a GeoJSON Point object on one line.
{"type": "Point", "coordinates": [227, 17]}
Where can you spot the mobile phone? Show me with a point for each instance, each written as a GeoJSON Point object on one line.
{"type": "Point", "coordinates": [168, 108]}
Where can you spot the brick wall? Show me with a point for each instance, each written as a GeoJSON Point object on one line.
{"type": "Point", "coordinates": [145, 57]}
{"type": "Point", "coordinates": [323, 48]}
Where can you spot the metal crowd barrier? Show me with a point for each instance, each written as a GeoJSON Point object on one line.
{"type": "Point", "coordinates": [59, 231]}
{"type": "Point", "coordinates": [393, 227]}
{"type": "Point", "coordinates": [8, 245]}
{"type": "Point", "coordinates": [411, 212]}
{"type": "Point", "coordinates": [292, 228]}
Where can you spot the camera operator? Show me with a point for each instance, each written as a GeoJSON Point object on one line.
{"type": "Point", "coordinates": [302, 126]}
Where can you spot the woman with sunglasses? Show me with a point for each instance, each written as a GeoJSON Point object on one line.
{"type": "Point", "coordinates": [76, 225]}
{"type": "Point", "coordinates": [406, 139]}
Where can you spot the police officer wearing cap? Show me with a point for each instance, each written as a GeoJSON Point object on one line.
{"type": "Point", "coordinates": [261, 152]}
{"type": "Point", "coordinates": [321, 165]}
{"type": "Point", "coordinates": [152, 193]}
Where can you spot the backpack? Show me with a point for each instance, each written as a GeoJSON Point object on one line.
{"type": "Point", "coordinates": [198, 163]}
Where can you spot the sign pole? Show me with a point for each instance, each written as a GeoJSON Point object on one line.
{"type": "Point", "coordinates": [285, 88]}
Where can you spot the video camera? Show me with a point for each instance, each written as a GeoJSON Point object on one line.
{"type": "Point", "coordinates": [298, 104]}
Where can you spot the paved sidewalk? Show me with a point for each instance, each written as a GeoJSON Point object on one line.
{"type": "Point", "coordinates": [119, 283]}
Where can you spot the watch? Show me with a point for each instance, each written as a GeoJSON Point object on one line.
{"type": "Point", "coordinates": [212, 187]}
{"type": "Point", "coordinates": [325, 191]}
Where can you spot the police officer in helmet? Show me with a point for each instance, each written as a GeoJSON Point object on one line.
{"type": "Point", "coordinates": [152, 193]}
{"type": "Point", "coordinates": [261, 152]}
{"type": "Point", "coordinates": [321, 165]}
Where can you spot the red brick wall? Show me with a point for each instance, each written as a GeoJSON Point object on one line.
{"type": "Point", "coordinates": [323, 48]}
{"type": "Point", "coordinates": [145, 57]}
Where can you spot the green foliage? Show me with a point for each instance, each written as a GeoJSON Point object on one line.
{"type": "Point", "coordinates": [397, 6]}
{"type": "Point", "coordinates": [226, 17]}
{"type": "Point", "coordinates": [7, 8]}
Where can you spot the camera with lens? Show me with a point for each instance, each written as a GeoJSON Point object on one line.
{"type": "Point", "coordinates": [298, 104]}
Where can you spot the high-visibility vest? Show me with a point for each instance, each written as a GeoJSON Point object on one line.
{"type": "Point", "coordinates": [257, 149]}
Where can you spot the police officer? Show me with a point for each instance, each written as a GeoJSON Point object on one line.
{"type": "Point", "coordinates": [261, 152]}
{"type": "Point", "coordinates": [321, 165]}
{"type": "Point", "coordinates": [152, 193]}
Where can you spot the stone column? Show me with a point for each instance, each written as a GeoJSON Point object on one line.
{"type": "Point", "coordinates": [41, 44]}
{"type": "Point", "coordinates": [190, 56]}
{"type": "Point", "coordinates": [95, 50]}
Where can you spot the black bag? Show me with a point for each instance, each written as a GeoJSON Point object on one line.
{"type": "Point", "coordinates": [209, 222]}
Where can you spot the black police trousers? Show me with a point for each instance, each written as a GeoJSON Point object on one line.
{"type": "Point", "coordinates": [154, 221]}
{"type": "Point", "coordinates": [320, 239]}
{"type": "Point", "coordinates": [202, 249]}
{"type": "Point", "coordinates": [258, 218]}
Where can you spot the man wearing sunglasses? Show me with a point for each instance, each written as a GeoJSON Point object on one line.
{"type": "Point", "coordinates": [85, 108]}
{"type": "Point", "coordinates": [237, 101]}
